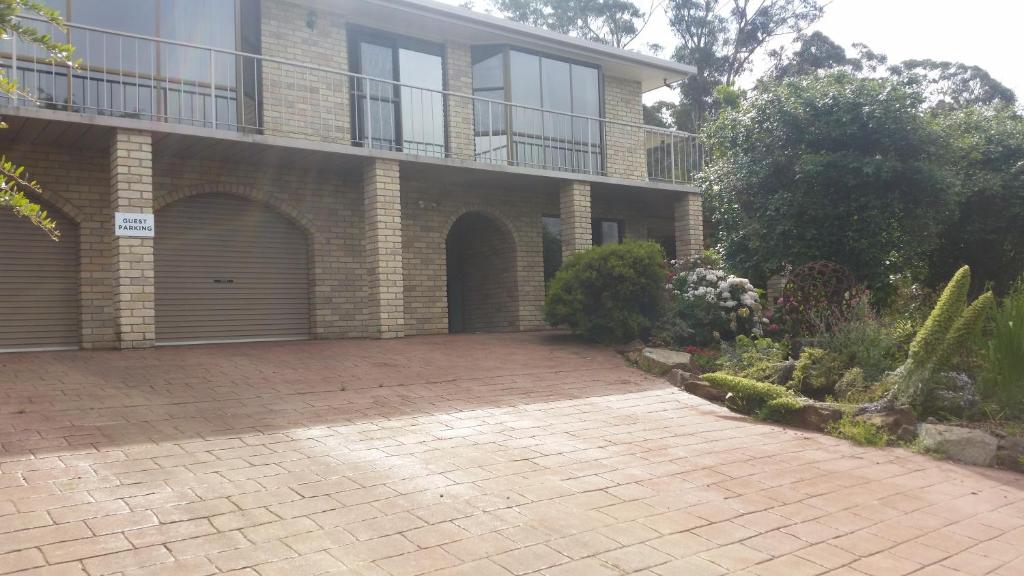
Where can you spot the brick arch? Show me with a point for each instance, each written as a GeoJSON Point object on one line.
{"type": "Point", "coordinates": [56, 201]}
{"type": "Point", "coordinates": [488, 272]}
{"type": "Point", "coordinates": [489, 212]}
{"type": "Point", "coordinates": [259, 196]}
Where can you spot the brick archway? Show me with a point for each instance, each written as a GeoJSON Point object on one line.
{"type": "Point", "coordinates": [481, 273]}
{"type": "Point", "coordinates": [259, 196]}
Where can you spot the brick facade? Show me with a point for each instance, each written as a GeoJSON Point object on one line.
{"type": "Point", "coordinates": [383, 212]}
{"type": "Point", "coordinates": [625, 151]}
{"type": "Point", "coordinates": [131, 190]}
{"type": "Point", "coordinates": [299, 102]}
{"type": "Point", "coordinates": [459, 113]}
{"type": "Point", "coordinates": [574, 209]}
{"type": "Point", "coordinates": [689, 223]}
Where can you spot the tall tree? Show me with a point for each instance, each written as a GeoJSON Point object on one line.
{"type": "Point", "coordinates": [613, 22]}
{"type": "Point", "coordinates": [955, 84]}
{"type": "Point", "coordinates": [13, 183]}
{"type": "Point", "coordinates": [810, 53]}
{"type": "Point", "coordinates": [721, 38]}
{"type": "Point", "coordinates": [828, 166]}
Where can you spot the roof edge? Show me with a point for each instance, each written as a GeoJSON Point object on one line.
{"type": "Point", "coordinates": [463, 14]}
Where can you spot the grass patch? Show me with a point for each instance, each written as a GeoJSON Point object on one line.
{"type": "Point", "coordinates": [859, 432]}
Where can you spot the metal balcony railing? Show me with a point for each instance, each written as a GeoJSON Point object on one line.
{"type": "Point", "coordinates": [134, 76]}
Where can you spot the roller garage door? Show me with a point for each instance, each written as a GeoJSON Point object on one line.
{"type": "Point", "coordinates": [229, 269]}
{"type": "Point", "coordinates": [39, 303]}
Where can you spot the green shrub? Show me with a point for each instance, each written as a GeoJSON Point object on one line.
{"type": "Point", "coordinates": [1002, 377]}
{"type": "Point", "coordinates": [852, 384]}
{"type": "Point", "coordinates": [780, 409]}
{"type": "Point", "coordinates": [760, 359]}
{"type": "Point", "coordinates": [817, 372]}
{"type": "Point", "coordinates": [865, 343]}
{"type": "Point", "coordinates": [745, 395]}
{"type": "Point", "coordinates": [859, 432]}
{"type": "Point", "coordinates": [609, 294]}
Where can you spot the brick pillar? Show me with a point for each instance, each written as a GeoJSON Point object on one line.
{"type": "Point", "coordinates": [574, 203]}
{"type": "Point", "coordinates": [131, 190]}
{"type": "Point", "coordinates": [383, 212]}
{"type": "Point", "coordinates": [689, 224]}
{"type": "Point", "coordinates": [459, 111]}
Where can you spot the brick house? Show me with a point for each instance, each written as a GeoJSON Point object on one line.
{"type": "Point", "coordinates": [322, 169]}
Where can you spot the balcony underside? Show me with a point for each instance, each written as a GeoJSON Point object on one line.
{"type": "Point", "coordinates": [46, 127]}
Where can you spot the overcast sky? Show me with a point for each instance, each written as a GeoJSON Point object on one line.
{"type": "Point", "coordinates": [987, 33]}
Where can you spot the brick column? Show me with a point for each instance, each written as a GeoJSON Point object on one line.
{"type": "Point", "coordinates": [459, 111]}
{"type": "Point", "coordinates": [383, 212]}
{"type": "Point", "coordinates": [689, 225]}
{"type": "Point", "coordinates": [574, 206]}
{"type": "Point", "coordinates": [131, 190]}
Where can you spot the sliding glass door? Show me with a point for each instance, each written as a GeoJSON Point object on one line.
{"type": "Point", "coordinates": [398, 100]}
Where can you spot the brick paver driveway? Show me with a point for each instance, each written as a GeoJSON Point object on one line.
{"type": "Point", "coordinates": [475, 455]}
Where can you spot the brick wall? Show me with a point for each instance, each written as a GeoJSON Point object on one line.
{"type": "Point", "coordinates": [428, 212]}
{"type": "Point", "coordinates": [480, 281]}
{"type": "Point", "coordinates": [131, 190]}
{"type": "Point", "coordinates": [689, 223]}
{"type": "Point", "coordinates": [299, 102]}
{"type": "Point", "coordinates": [459, 79]}
{"type": "Point", "coordinates": [327, 204]}
{"type": "Point", "coordinates": [383, 211]}
{"type": "Point", "coordinates": [78, 183]}
{"type": "Point", "coordinates": [625, 154]}
{"type": "Point", "coordinates": [574, 208]}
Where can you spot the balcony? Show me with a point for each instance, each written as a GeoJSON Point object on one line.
{"type": "Point", "coordinates": [132, 76]}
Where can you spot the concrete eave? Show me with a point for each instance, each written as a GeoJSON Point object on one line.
{"type": "Point", "coordinates": [440, 21]}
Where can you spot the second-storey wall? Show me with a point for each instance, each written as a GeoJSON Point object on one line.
{"type": "Point", "coordinates": [625, 155]}
{"type": "Point", "coordinates": [304, 102]}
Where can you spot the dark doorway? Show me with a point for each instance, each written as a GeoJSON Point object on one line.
{"type": "Point", "coordinates": [482, 292]}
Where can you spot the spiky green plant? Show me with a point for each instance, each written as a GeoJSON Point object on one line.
{"type": "Point", "coordinates": [928, 343]}
{"type": "Point", "coordinates": [964, 333]}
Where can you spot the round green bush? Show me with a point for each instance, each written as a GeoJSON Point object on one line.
{"type": "Point", "coordinates": [609, 294]}
{"type": "Point", "coordinates": [817, 372]}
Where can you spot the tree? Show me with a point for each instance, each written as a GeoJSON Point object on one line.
{"type": "Point", "coordinates": [13, 184]}
{"type": "Point", "coordinates": [814, 52]}
{"type": "Point", "coordinates": [721, 38]}
{"type": "Point", "coordinates": [613, 22]}
{"type": "Point", "coordinates": [987, 160]}
{"type": "Point", "coordinates": [828, 167]}
{"type": "Point", "coordinates": [955, 84]}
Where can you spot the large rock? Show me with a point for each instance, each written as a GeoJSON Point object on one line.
{"type": "Point", "coordinates": [705, 390]}
{"type": "Point", "coordinates": [900, 422]}
{"type": "Point", "coordinates": [815, 416]}
{"type": "Point", "coordinates": [1010, 453]}
{"type": "Point", "coordinates": [631, 351]}
{"type": "Point", "coordinates": [659, 360]}
{"type": "Point", "coordinates": [961, 444]}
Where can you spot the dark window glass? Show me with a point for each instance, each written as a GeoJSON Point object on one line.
{"type": "Point", "coordinates": [552, 245]}
{"type": "Point", "coordinates": [408, 115]}
{"type": "Point", "coordinates": [607, 231]}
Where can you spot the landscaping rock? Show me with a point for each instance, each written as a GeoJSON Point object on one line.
{"type": "Point", "coordinates": [961, 444]}
{"type": "Point", "coordinates": [900, 422]}
{"type": "Point", "coordinates": [815, 416]}
{"type": "Point", "coordinates": [631, 351]}
{"type": "Point", "coordinates": [704, 390]}
{"type": "Point", "coordinates": [678, 377]}
{"type": "Point", "coordinates": [1010, 453]}
{"type": "Point", "coordinates": [659, 360]}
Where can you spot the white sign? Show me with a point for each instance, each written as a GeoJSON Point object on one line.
{"type": "Point", "coordinates": [129, 224]}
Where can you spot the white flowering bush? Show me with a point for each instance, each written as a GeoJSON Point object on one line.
{"type": "Point", "coordinates": [712, 304]}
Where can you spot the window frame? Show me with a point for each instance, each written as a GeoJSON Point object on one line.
{"type": "Point", "coordinates": [506, 51]}
{"type": "Point", "coordinates": [357, 35]}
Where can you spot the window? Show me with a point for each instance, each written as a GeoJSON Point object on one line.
{"type": "Point", "coordinates": [543, 127]}
{"type": "Point", "coordinates": [552, 230]}
{"type": "Point", "coordinates": [607, 231]}
{"type": "Point", "coordinates": [390, 116]}
{"type": "Point", "coordinates": [128, 76]}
